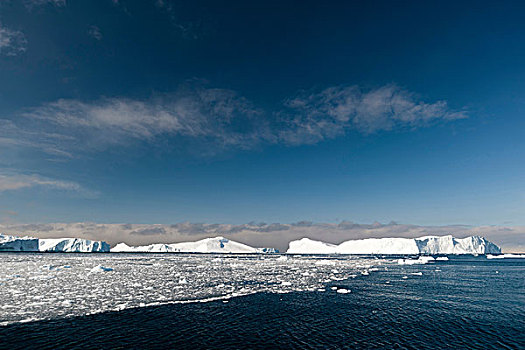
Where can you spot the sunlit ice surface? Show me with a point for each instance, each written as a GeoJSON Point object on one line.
{"type": "Point", "coordinates": [50, 286]}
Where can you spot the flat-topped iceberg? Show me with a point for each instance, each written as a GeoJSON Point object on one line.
{"type": "Point", "coordinates": [427, 245]}
{"type": "Point", "coordinates": [72, 245]}
{"type": "Point", "coordinates": [66, 245]}
{"type": "Point", "coordinates": [18, 244]}
{"type": "Point", "coordinates": [207, 245]}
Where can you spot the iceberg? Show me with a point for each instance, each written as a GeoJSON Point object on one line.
{"type": "Point", "coordinates": [309, 246]}
{"type": "Point", "coordinates": [66, 245]}
{"type": "Point", "coordinates": [72, 245]}
{"type": "Point", "coordinates": [427, 245]}
{"type": "Point", "coordinates": [430, 245]}
{"type": "Point", "coordinates": [400, 246]}
{"type": "Point", "coordinates": [207, 245]}
{"type": "Point", "coordinates": [18, 244]}
{"type": "Point", "coordinates": [506, 256]}
{"type": "Point", "coordinates": [152, 248]}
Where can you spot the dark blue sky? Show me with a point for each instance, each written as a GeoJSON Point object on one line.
{"type": "Point", "coordinates": [166, 111]}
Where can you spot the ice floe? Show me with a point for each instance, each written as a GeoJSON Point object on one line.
{"type": "Point", "coordinates": [421, 260]}
{"type": "Point", "coordinates": [100, 268]}
{"type": "Point", "coordinates": [506, 256]}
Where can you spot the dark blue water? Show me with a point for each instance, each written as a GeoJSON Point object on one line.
{"type": "Point", "coordinates": [463, 303]}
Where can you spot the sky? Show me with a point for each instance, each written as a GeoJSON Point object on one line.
{"type": "Point", "coordinates": [166, 112]}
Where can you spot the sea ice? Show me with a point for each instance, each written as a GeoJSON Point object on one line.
{"type": "Point", "coordinates": [154, 279]}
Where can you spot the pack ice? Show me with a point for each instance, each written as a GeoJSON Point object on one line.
{"type": "Point", "coordinates": [427, 245]}
{"type": "Point", "coordinates": [207, 245]}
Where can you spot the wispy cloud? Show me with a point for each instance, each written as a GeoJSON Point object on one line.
{"type": "Point", "coordinates": [190, 29]}
{"type": "Point", "coordinates": [313, 117]}
{"type": "Point", "coordinates": [12, 42]}
{"type": "Point", "coordinates": [13, 182]}
{"type": "Point", "coordinates": [14, 137]}
{"type": "Point", "coordinates": [216, 114]}
{"type": "Point", "coordinates": [278, 235]}
{"type": "Point", "coordinates": [219, 118]}
{"type": "Point", "coordinates": [32, 3]}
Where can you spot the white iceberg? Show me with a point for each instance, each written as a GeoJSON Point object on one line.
{"type": "Point", "coordinates": [207, 245]}
{"type": "Point", "coordinates": [506, 256]}
{"type": "Point", "coordinates": [431, 245]}
{"type": "Point", "coordinates": [309, 246]}
{"type": "Point", "coordinates": [427, 245]}
{"type": "Point", "coordinates": [69, 245]}
{"type": "Point", "coordinates": [152, 248]}
{"type": "Point", "coordinates": [401, 246]}
{"type": "Point", "coordinates": [18, 244]}
{"type": "Point", "coordinates": [72, 245]}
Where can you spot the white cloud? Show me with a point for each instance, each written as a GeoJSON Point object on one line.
{"type": "Point", "coordinates": [12, 42]}
{"type": "Point", "coordinates": [16, 182]}
{"type": "Point", "coordinates": [13, 182]}
{"type": "Point", "coordinates": [14, 137]}
{"type": "Point", "coordinates": [323, 115]}
{"type": "Point", "coordinates": [218, 119]}
{"type": "Point", "coordinates": [216, 114]}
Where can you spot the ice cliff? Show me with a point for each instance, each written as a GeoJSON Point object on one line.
{"type": "Point", "coordinates": [68, 245]}
{"type": "Point", "coordinates": [18, 244]}
{"type": "Point", "coordinates": [72, 245]}
{"type": "Point", "coordinates": [428, 245]}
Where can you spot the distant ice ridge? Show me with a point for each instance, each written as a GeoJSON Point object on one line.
{"type": "Point", "coordinates": [18, 244]}
{"type": "Point", "coordinates": [427, 245]}
{"type": "Point", "coordinates": [72, 245]}
{"type": "Point", "coordinates": [207, 245]}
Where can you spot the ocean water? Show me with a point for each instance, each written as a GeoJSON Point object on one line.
{"type": "Point", "coordinates": [211, 301]}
